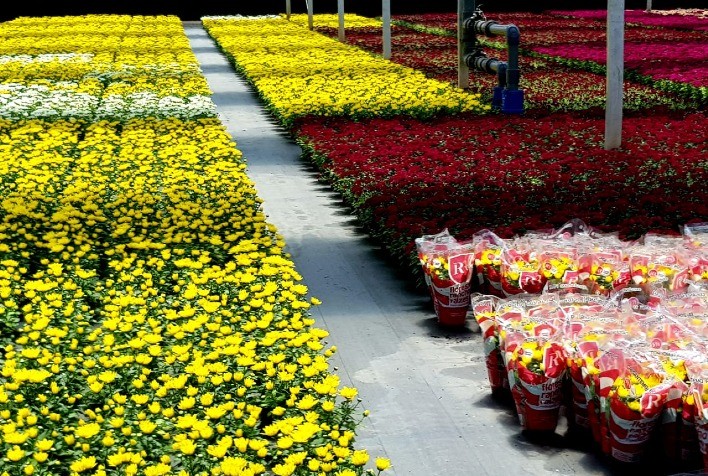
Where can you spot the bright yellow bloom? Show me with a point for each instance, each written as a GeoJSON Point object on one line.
{"type": "Point", "coordinates": [360, 457]}
{"type": "Point", "coordinates": [284, 469]}
{"type": "Point", "coordinates": [15, 454]}
{"type": "Point", "coordinates": [284, 442]}
{"type": "Point", "coordinates": [44, 444]}
{"type": "Point", "coordinates": [159, 469]}
{"type": "Point", "coordinates": [383, 464]}
{"type": "Point", "coordinates": [88, 431]}
{"type": "Point", "coordinates": [147, 427]}
{"type": "Point", "coordinates": [348, 392]}
{"type": "Point", "coordinates": [85, 463]}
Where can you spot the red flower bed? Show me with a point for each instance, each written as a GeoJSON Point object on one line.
{"type": "Point", "coordinates": [534, 38]}
{"type": "Point", "coordinates": [527, 21]}
{"type": "Point", "coordinates": [406, 178]}
{"type": "Point", "coordinates": [661, 51]}
{"type": "Point", "coordinates": [547, 87]}
{"type": "Point", "coordinates": [660, 60]}
{"type": "Point", "coordinates": [561, 20]}
{"type": "Point", "coordinates": [641, 17]}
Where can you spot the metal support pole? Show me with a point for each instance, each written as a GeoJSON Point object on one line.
{"type": "Point", "coordinates": [386, 16]}
{"type": "Point", "coordinates": [288, 9]}
{"type": "Point", "coordinates": [615, 74]}
{"type": "Point", "coordinates": [309, 14]}
{"type": "Point", "coordinates": [466, 41]}
{"type": "Point", "coordinates": [463, 71]}
{"type": "Point", "coordinates": [340, 10]}
{"type": "Point", "coordinates": [648, 6]}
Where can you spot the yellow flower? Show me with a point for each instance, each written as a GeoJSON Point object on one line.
{"type": "Point", "coordinates": [140, 399]}
{"type": "Point", "coordinates": [186, 403]}
{"type": "Point", "coordinates": [15, 454]}
{"type": "Point", "coordinates": [87, 462]}
{"type": "Point", "coordinates": [307, 402]}
{"type": "Point", "coordinates": [147, 427]}
{"type": "Point", "coordinates": [215, 412]}
{"type": "Point", "coordinates": [87, 431]}
{"type": "Point", "coordinates": [284, 469]}
{"type": "Point", "coordinates": [348, 392]}
{"type": "Point", "coordinates": [217, 451]}
{"type": "Point", "coordinates": [108, 376]}
{"type": "Point", "coordinates": [187, 446]}
{"type": "Point", "coordinates": [159, 469]}
{"type": "Point", "coordinates": [233, 466]}
{"type": "Point", "coordinates": [383, 464]}
{"type": "Point", "coordinates": [284, 442]}
{"type": "Point", "coordinates": [116, 422]}
{"type": "Point", "coordinates": [360, 457]}
{"type": "Point", "coordinates": [16, 437]}
{"type": "Point", "coordinates": [44, 444]}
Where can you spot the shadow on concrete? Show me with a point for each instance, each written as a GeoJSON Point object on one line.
{"type": "Point", "coordinates": [217, 68]}
{"type": "Point", "coordinates": [232, 98]}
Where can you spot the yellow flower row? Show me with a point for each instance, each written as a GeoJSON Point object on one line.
{"type": "Point", "coordinates": [299, 72]}
{"type": "Point", "coordinates": [195, 331]}
{"type": "Point", "coordinates": [150, 322]}
{"type": "Point", "coordinates": [81, 35]}
{"type": "Point", "coordinates": [351, 20]}
{"type": "Point", "coordinates": [76, 49]}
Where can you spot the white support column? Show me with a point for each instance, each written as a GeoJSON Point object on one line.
{"type": "Point", "coordinates": [386, 16]}
{"type": "Point", "coordinates": [463, 72]}
{"type": "Point", "coordinates": [615, 74]}
{"type": "Point", "coordinates": [309, 14]}
{"type": "Point", "coordinates": [340, 10]}
{"type": "Point", "coordinates": [288, 9]}
{"type": "Point", "coordinates": [648, 6]}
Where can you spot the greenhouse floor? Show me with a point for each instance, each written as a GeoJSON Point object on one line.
{"type": "Point", "coordinates": [426, 387]}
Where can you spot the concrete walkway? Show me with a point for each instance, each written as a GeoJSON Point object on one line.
{"type": "Point", "coordinates": [426, 388]}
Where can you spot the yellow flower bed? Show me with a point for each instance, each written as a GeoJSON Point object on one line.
{"type": "Point", "coordinates": [351, 20]}
{"type": "Point", "coordinates": [128, 56]}
{"type": "Point", "coordinates": [150, 322]}
{"type": "Point", "coordinates": [299, 72]}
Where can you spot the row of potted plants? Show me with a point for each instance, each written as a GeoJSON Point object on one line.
{"type": "Point", "coordinates": [614, 330]}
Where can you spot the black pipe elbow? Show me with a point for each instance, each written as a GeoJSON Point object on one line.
{"type": "Point", "coordinates": [513, 35]}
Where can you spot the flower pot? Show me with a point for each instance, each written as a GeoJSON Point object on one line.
{"type": "Point", "coordinates": [538, 399]}
{"type": "Point", "coordinates": [451, 302]}
{"type": "Point", "coordinates": [629, 431]}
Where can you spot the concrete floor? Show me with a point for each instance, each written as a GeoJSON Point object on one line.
{"type": "Point", "coordinates": [426, 387]}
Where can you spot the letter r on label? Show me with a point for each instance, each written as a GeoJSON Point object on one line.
{"type": "Point", "coordinates": [459, 268]}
